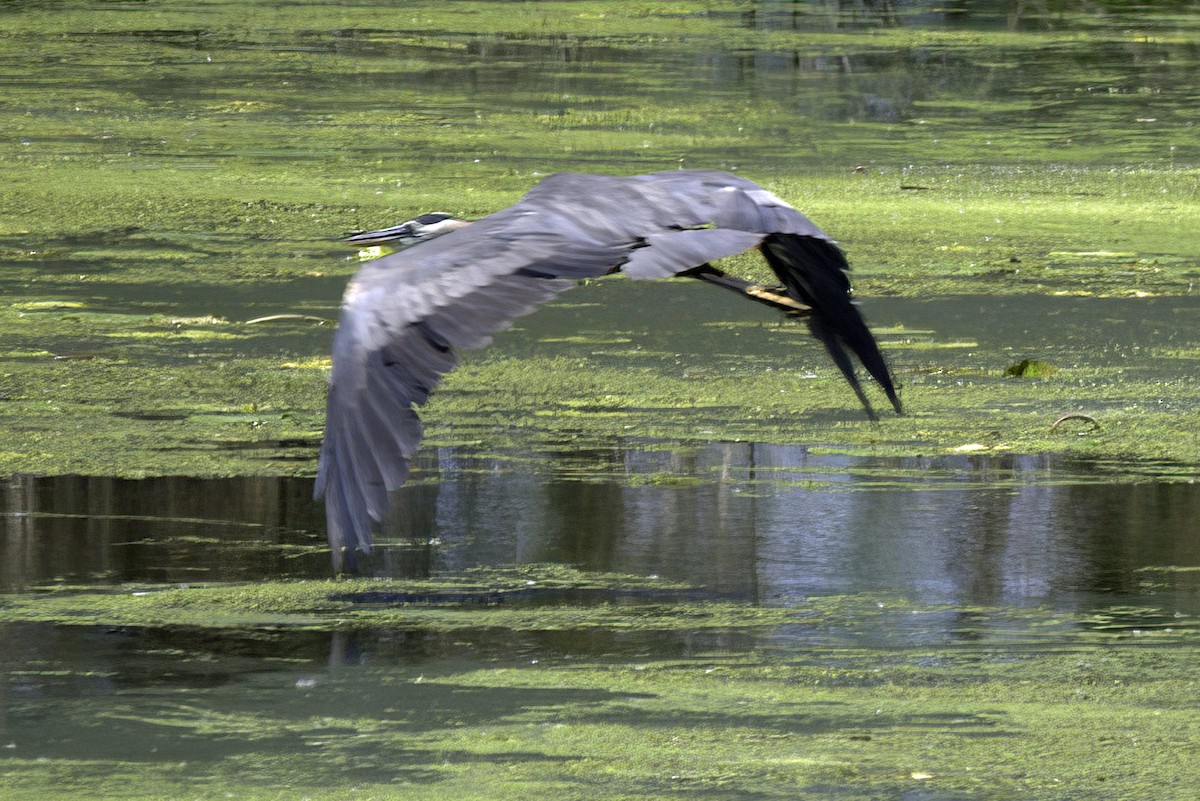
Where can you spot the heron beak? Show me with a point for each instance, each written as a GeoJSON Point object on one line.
{"type": "Point", "coordinates": [406, 233]}
{"type": "Point", "coordinates": [409, 233]}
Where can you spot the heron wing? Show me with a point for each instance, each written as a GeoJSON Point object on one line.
{"type": "Point", "coordinates": [402, 321]}
{"type": "Point", "coordinates": [404, 316]}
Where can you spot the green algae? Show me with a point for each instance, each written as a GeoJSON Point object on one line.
{"type": "Point", "coordinates": [410, 606]}
{"type": "Point", "coordinates": [995, 703]}
{"type": "Point", "coordinates": [139, 233]}
{"type": "Point", "coordinates": [1031, 368]}
{"type": "Point", "coordinates": [151, 394]}
{"type": "Point", "coordinates": [140, 227]}
{"type": "Point", "coordinates": [527, 597]}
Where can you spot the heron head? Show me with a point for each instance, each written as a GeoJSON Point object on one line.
{"type": "Point", "coordinates": [413, 232]}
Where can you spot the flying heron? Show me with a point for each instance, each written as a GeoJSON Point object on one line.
{"type": "Point", "coordinates": [404, 316]}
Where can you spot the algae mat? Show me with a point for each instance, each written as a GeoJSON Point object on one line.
{"type": "Point", "coordinates": [1013, 183]}
{"type": "Point", "coordinates": [499, 684]}
{"type": "Point", "coordinates": [98, 381]}
{"type": "Point", "coordinates": [175, 170]}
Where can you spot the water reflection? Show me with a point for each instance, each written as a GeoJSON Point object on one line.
{"type": "Point", "coordinates": [1015, 15]}
{"type": "Point", "coordinates": [766, 523]}
{"type": "Point", "coordinates": [760, 522]}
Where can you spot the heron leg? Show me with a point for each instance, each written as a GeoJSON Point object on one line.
{"type": "Point", "coordinates": [775, 297]}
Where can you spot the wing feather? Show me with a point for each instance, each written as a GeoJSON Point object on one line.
{"type": "Point", "coordinates": [672, 252]}
{"type": "Point", "coordinates": [382, 369]}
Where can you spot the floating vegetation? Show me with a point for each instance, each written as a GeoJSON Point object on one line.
{"type": "Point", "coordinates": [1006, 180]}
{"type": "Point", "coordinates": [1031, 368]}
{"type": "Point", "coordinates": [529, 597]}
{"type": "Point", "coordinates": [864, 693]}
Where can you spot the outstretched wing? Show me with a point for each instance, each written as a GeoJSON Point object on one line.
{"type": "Point", "coordinates": [402, 320]}
{"type": "Point", "coordinates": [405, 315]}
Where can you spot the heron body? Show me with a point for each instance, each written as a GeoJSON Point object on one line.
{"type": "Point", "coordinates": [405, 316]}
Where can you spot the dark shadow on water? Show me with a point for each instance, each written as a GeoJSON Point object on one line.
{"type": "Point", "coordinates": [197, 698]}
{"type": "Point", "coordinates": [255, 705]}
{"type": "Point", "coordinates": [180, 696]}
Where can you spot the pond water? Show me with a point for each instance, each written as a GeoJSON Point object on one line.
{"type": "Point", "coordinates": [194, 159]}
{"type": "Point", "coordinates": [762, 523]}
{"type": "Point", "coordinates": [973, 541]}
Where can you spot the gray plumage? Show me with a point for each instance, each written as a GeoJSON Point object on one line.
{"type": "Point", "coordinates": [405, 315]}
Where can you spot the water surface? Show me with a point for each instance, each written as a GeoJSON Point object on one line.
{"type": "Point", "coordinates": [173, 169]}
{"type": "Point", "coordinates": [763, 523]}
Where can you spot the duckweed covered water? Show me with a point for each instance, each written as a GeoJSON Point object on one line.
{"type": "Point", "coordinates": [844, 697]}
{"type": "Point", "coordinates": [728, 582]}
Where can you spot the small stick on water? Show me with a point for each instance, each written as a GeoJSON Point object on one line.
{"type": "Point", "coordinates": [1075, 416]}
{"type": "Point", "coordinates": [270, 318]}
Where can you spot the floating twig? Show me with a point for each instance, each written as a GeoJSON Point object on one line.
{"type": "Point", "coordinates": [270, 318]}
{"type": "Point", "coordinates": [1075, 416]}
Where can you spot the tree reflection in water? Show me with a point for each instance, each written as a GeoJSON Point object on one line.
{"type": "Point", "coordinates": [766, 523]}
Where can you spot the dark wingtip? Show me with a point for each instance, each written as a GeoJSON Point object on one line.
{"type": "Point", "coordinates": [814, 272]}
{"type": "Point", "coordinates": [894, 398]}
{"type": "Point", "coordinates": [828, 336]}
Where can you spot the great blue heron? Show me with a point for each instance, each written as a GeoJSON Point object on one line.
{"type": "Point", "coordinates": [404, 315]}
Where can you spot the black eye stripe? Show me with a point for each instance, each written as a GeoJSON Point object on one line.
{"type": "Point", "coordinates": [432, 217]}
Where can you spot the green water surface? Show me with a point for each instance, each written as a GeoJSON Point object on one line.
{"type": "Point", "coordinates": [1012, 181]}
